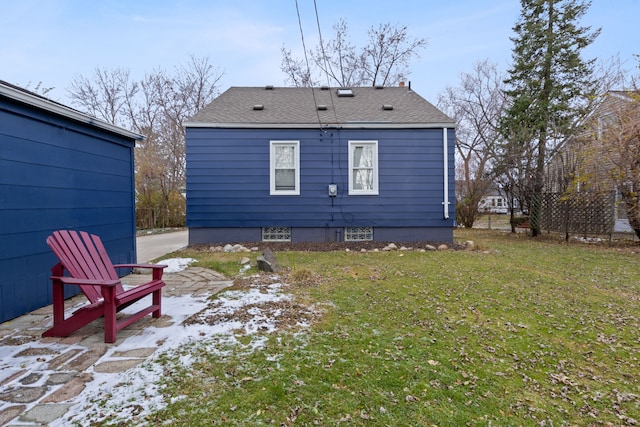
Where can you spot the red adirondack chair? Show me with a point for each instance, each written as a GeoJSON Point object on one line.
{"type": "Point", "coordinates": [84, 258]}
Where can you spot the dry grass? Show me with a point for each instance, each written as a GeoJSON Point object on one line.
{"type": "Point", "coordinates": [521, 332]}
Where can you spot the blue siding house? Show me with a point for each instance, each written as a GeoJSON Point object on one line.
{"type": "Point", "coordinates": [59, 169]}
{"type": "Point", "coordinates": [320, 164]}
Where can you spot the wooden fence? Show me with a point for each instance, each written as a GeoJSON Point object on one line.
{"type": "Point", "coordinates": [579, 214]}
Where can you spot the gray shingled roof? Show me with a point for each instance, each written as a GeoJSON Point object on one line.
{"type": "Point", "coordinates": [297, 108]}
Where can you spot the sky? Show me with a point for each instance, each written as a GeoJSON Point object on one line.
{"type": "Point", "coordinates": [49, 42]}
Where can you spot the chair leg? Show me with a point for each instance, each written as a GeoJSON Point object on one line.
{"type": "Point", "coordinates": [110, 327]}
{"type": "Point", "coordinates": [58, 302]}
{"type": "Point", "coordinates": [157, 300]}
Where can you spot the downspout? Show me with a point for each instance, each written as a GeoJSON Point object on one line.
{"type": "Point", "coordinates": [445, 155]}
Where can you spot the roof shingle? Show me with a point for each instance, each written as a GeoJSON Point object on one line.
{"type": "Point", "coordinates": [297, 108]}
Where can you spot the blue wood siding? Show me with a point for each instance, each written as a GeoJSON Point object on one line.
{"type": "Point", "coordinates": [56, 173]}
{"type": "Point", "coordinates": [228, 179]}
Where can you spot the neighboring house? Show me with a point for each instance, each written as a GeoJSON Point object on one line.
{"type": "Point", "coordinates": [321, 164]}
{"type": "Point", "coordinates": [59, 169]}
{"type": "Point", "coordinates": [615, 105]}
{"type": "Point", "coordinates": [493, 202]}
{"type": "Point", "coordinates": [585, 164]}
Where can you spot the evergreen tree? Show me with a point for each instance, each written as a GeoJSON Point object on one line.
{"type": "Point", "coordinates": [548, 86]}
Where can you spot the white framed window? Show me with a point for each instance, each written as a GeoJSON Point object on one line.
{"type": "Point", "coordinates": [276, 234]}
{"type": "Point", "coordinates": [285, 168]}
{"type": "Point", "coordinates": [363, 167]}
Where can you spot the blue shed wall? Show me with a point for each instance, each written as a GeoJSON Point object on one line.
{"type": "Point", "coordinates": [228, 183]}
{"type": "Point", "coordinates": [56, 173]}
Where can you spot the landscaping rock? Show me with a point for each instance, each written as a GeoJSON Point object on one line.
{"type": "Point", "coordinates": [237, 248]}
{"type": "Point", "coordinates": [356, 246]}
{"type": "Point", "coordinates": [268, 262]}
{"type": "Point", "coordinates": [443, 247]}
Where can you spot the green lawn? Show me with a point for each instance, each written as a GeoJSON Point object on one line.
{"type": "Point", "coordinates": [518, 332]}
{"type": "Point", "coordinates": [493, 221]}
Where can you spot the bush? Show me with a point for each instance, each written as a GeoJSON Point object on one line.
{"type": "Point", "coordinates": [520, 221]}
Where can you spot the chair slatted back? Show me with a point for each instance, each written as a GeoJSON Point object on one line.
{"type": "Point", "coordinates": [83, 255]}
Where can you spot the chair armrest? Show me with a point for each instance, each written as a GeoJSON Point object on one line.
{"type": "Point", "coordinates": [157, 270]}
{"type": "Point", "coordinates": [140, 266]}
{"type": "Point", "coordinates": [93, 282]}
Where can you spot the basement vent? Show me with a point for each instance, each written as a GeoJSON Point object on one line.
{"type": "Point", "coordinates": [324, 87]}
{"type": "Point", "coordinates": [268, 87]}
{"type": "Point", "coordinates": [344, 91]}
{"type": "Point", "coordinates": [276, 234]}
{"type": "Point", "coordinates": [358, 234]}
{"type": "Point", "coordinates": [322, 107]}
{"type": "Point", "coordinates": [379, 87]}
{"type": "Point", "coordinates": [387, 107]}
{"type": "Point", "coordinates": [258, 107]}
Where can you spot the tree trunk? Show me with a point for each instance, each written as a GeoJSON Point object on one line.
{"type": "Point", "coordinates": [511, 218]}
{"type": "Point", "coordinates": [545, 98]}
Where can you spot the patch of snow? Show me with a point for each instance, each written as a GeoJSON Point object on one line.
{"type": "Point", "coordinates": [175, 265]}
{"type": "Point", "coordinates": [589, 239]}
{"type": "Point", "coordinates": [135, 393]}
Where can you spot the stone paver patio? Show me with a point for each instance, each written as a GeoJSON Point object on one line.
{"type": "Point", "coordinates": [39, 391]}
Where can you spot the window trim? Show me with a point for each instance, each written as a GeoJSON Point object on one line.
{"type": "Point", "coordinates": [272, 168]}
{"type": "Point", "coordinates": [375, 190]}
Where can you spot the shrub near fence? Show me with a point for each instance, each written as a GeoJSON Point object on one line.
{"type": "Point", "coordinates": [581, 214]}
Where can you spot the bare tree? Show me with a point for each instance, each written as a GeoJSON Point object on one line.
{"type": "Point", "coordinates": [513, 168]}
{"type": "Point", "coordinates": [298, 74]}
{"type": "Point", "coordinates": [105, 95]}
{"type": "Point", "coordinates": [39, 88]}
{"type": "Point", "coordinates": [383, 60]}
{"type": "Point", "coordinates": [156, 107]}
{"type": "Point", "coordinates": [477, 105]}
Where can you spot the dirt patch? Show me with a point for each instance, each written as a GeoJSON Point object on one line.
{"type": "Point", "coordinates": [283, 314]}
{"type": "Point", "coordinates": [298, 278]}
{"type": "Point", "coordinates": [260, 280]}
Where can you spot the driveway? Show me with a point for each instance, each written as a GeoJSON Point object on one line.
{"type": "Point", "coordinates": [156, 245]}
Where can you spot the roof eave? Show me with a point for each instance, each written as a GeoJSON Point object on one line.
{"type": "Point", "coordinates": [348, 125]}
{"type": "Point", "coordinates": [61, 110]}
